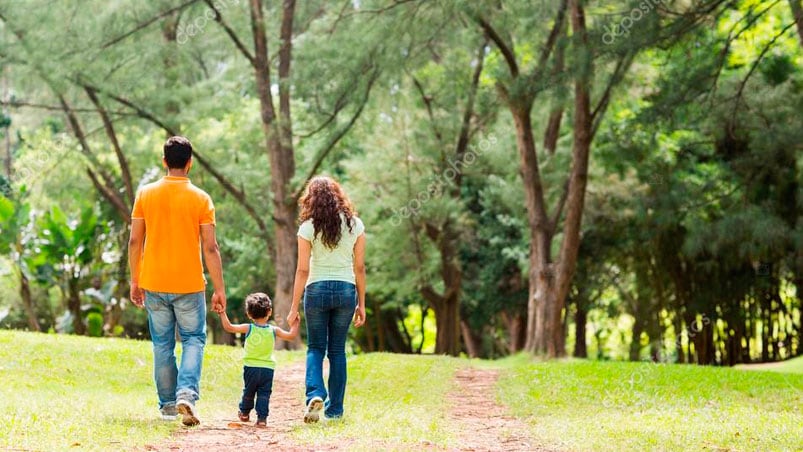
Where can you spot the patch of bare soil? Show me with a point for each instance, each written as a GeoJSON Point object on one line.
{"type": "Point", "coordinates": [227, 433]}
{"type": "Point", "coordinates": [484, 424]}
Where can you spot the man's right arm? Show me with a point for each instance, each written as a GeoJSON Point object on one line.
{"type": "Point", "coordinates": [135, 243]}
{"type": "Point", "coordinates": [214, 265]}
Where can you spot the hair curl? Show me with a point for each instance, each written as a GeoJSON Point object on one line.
{"type": "Point", "coordinates": [258, 305]}
{"type": "Point", "coordinates": [323, 202]}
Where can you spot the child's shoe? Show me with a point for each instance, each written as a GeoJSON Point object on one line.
{"type": "Point", "coordinates": [243, 417]}
{"type": "Point", "coordinates": [261, 423]}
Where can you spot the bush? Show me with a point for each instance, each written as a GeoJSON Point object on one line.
{"type": "Point", "coordinates": [94, 324]}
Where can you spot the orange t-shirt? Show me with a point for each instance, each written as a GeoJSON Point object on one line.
{"type": "Point", "coordinates": [173, 210]}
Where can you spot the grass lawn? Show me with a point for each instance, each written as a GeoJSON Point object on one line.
{"type": "Point", "coordinates": [393, 401]}
{"type": "Point", "coordinates": [77, 393]}
{"type": "Point", "coordinates": [794, 366]}
{"type": "Point", "coordinates": [610, 406]}
{"type": "Point", "coordinates": [62, 392]}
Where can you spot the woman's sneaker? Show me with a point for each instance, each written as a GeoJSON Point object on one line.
{"type": "Point", "coordinates": [169, 412]}
{"type": "Point", "coordinates": [313, 412]}
{"type": "Point", "coordinates": [187, 410]}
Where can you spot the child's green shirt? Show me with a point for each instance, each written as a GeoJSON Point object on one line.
{"type": "Point", "coordinates": [259, 344]}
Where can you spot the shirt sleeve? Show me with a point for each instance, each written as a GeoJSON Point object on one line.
{"type": "Point", "coordinates": [306, 231]}
{"type": "Point", "coordinates": [208, 212]}
{"type": "Point", "coordinates": [137, 213]}
{"type": "Point", "coordinates": [359, 227]}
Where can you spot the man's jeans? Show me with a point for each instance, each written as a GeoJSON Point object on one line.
{"type": "Point", "coordinates": [188, 312]}
{"type": "Point", "coordinates": [329, 308]}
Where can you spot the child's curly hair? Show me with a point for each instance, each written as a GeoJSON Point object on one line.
{"type": "Point", "coordinates": [258, 305]}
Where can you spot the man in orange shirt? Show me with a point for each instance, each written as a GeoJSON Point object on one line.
{"type": "Point", "coordinates": [172, 223]}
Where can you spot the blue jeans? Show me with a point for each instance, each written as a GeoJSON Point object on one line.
{"type": "Point", "coordinates": [258, 382]}
{"type": "Point", "coordinates": [188, 312]}
{"type": "Point", "coordinates": [329, 308]}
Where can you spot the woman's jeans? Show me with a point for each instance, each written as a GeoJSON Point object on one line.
{"type": "Point", "coordinates": [188, 312]}
{"type": "Point", "coordinates": [329, 308]}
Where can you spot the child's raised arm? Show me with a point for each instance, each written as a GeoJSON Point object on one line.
{"type": "Point", "coordinates": [239, 328]}
{"type": "Point", "coordinates": [289, 335]}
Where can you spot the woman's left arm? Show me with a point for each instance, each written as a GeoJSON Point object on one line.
{"type": "Point", "coordinates": [302, 273]}
{"type": "Point", "coordinates": [359, 278]}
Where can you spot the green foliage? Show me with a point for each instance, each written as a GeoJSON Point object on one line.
{"type": "Point", "coordinates": [94, 324]}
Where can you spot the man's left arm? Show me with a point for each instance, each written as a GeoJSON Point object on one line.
{"type": "Point", "coordinates": [135, 242]}
{"type": "Point", "coordinates": [214, 265]}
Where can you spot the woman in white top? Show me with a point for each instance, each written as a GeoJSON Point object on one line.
{"type": "Point", "coordinates": [331, 277]}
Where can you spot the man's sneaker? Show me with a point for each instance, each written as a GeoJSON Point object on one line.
{"type": "Point", "coordinates": [243, 417]}
{"type": "Point", "coordinates": [261, 423]}
{"type": "Point", "coordinates": [187, 410]}
{"type": "Point", "coordinates": [313, 412]}
{"type": "Point", "coordinates": [169, 412]}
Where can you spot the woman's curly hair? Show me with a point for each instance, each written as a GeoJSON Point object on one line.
{"type": "Point", "coordinates": [323, 202]}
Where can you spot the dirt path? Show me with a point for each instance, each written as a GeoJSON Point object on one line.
{"type": "Point", "coordinates": [479, 422]}
{"type": "Point", "coordinates": [227, 434]}
{"type": "Point", "coordinates": [485, 425]}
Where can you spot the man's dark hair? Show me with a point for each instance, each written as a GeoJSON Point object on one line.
{"type": "Point", "coordinates": [177, 152]}
{"type": "Point", "coordinates": [258, 305]}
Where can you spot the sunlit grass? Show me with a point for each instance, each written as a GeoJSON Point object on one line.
{"type": "Point", "coordinates": [63, 392]}
{"type": "Point", "coordinates": [393, 402]}
{"type": "Point", "coordinates": [605, 406]}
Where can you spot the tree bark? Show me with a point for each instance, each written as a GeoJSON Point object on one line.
{"type": "Point", "coordinates": [472, 339]}
{"type": "Point", "coordinates": [28, 303]}
{"type": "Point", "coordinates": [797, 12]}
{"type": "Point", "coordinates": [279, 144]}
{"type": "Point", "coordinates": [580, 320]}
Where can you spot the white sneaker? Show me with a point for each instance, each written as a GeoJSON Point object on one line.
{"type": "Point", "coordinates": [188, 413]}
{"type": "Point", "coordinates": [313, 412]}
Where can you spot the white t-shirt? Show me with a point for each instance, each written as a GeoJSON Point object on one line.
{"type": "Point", "coordinates": [336, 264]}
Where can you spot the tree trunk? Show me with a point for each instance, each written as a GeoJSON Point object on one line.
{"type": "Point", "coordinates": [797, 12]}
{"type": "Point", "coordinates": [278, 139]}
{"type": "Point", "coordinates": [28, 303]}
{"type": "Point", "coordinates": [447, 321]}
{"type": "Point", "coordinates": [635, 343]}
{"type": "Point", "coordinates": [115, 311]}
{"type": "Point", "coordinates": [472, 339]}
{"type": "Point", "coordinates": [516, 330]}
{"type": "Point", "coordinates": [74, 305]}
{"type": "Point", "coordinates": [580, 320]}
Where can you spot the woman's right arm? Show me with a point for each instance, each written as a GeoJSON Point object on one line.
{"type": "Point", "coordinates": [359, 277]}
{"type": "Point", "coordinates": [302, 273]}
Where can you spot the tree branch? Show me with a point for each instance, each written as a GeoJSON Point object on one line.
{"type": "Point", "coordinates": [428, 103]}
{"type": "Point", "coordinates": [285, 59]}
{"type": "Point", "coordinates": [507, 52]}
{"type": "Point", "coordinates": [755, 64]}
{"type": "Point", "coordinates": [622, 66]}
{"type": "Point", "coordinates": [20, 104]}
{"type": "Point", "coordinates": [146, 23]}
{"type": "Point", "coordinates": [110, 196]}
{"type": "Point", "coordinates": [327, 148]}
{"type": "Point", "coordinates": [110, 133]}
{"type": "Point", "coordinates": [465, 126]}
{"type": "Point", "coordinates": [234, 38]}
